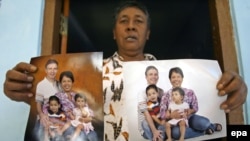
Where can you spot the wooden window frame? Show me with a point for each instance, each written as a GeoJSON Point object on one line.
{"type": "Point", "coordinates": [222, 33]}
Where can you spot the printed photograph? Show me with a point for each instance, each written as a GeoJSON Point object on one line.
{"type": "Point", "coordinates": [68, 104]}
{"type": "Point", "coordinates": [179, 96]}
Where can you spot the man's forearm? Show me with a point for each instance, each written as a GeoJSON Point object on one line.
{"type": "Point", "coordinates": [39, 108]}
{"type": "Point", "coordinates": [150, 121]}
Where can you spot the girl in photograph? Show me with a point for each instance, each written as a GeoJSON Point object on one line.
{"type": "Point", "coordinates": [57, 118]}
{"type": "Point", "coordinates": [80, 113]}
{"type": "Point", "coordinates": [177, 103]}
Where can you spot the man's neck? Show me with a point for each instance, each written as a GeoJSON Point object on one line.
{"type": "Point", "coordinates": [50, 80]}
{"type": "Point", "coordinates": [132, 57]}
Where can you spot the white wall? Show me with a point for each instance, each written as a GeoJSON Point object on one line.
{"type": "Point", "coordinates": [241, 19]}
{"type": "Point", "coordinates": [20, 39]}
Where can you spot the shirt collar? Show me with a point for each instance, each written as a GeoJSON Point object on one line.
{"type": "Point", "coordinates": [147, 57]}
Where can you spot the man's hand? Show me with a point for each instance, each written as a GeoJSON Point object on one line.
{"type": "Point", "coordinates": [157, 135]}
{"type": "Point", "coordinates": [232, 85]}
{"type": "Point", "coordinates": [18, 82]}
{"type": "Point", "coordinates": [44, 120]}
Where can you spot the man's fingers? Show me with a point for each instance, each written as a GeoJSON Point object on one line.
{"type": "Point", "coordinates": [231, 88]}
{"type": "Point", "coordinates": [17, 76]}
{"type": "Point", "coordinates": [225, 79]}
{"type": "Point", "coordinates": [20, 96]}
{"type": "Point", "coordinates": [229, 83]}
{"type": "Point", "coordinates": [235, 99]}
{"type": "Point", "coordinates": [14, 93]}
{"type": "Point", "coordinates": [17, 86]}
{"type": "Point", "coordinates": [25, 67]}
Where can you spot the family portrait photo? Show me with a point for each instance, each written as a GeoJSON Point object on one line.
{"type": "Point", "coordinates": [68, 101]}
{"type": "Point", "coordinates": [176, 94]}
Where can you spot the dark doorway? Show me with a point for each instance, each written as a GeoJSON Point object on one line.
{"type": "Point", "coordinates": [179, 28]}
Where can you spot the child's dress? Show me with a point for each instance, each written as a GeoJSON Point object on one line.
{"type": "Point", "coordinates": [57, 120]}
{"type": "Point", "coordinates": [181, 107]}
{"type": "Point", "coordinates": [78, 114]}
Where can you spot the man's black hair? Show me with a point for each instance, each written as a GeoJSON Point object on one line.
{"type": "Point", "coordinates": [131, 3]}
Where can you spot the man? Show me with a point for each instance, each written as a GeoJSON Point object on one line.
{"type": "Point", "coordinates": [131, 31]}
{"type": "Point", "coordinates": [145, 124]}
{"type": "Point", "coordinates": [47, 87]}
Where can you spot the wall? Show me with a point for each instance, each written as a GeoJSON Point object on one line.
{"type": "Point", "coordinates": [20, 39]}
{"type": "Point", "coordinates": [241, 19]}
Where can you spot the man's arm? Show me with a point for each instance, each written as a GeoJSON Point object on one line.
{"type": "Point", "coordinates": [156, 132]}
{"type": "Point", "coordinates": [43, 118]}
{"type": "Point", "coordinates": [18, 82]}
{"type": "Point", "coordinates": [156, 119]}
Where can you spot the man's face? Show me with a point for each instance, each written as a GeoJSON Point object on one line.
{"type": "Point", "coordinates": [51, 70]}
{"type": "Point", "coordinates": [152, 76]}
{"type": "Point", "coordinates": [131, 30]}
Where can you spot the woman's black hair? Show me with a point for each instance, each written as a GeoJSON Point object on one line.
{"type": "Point", "coordinates": [176, 70]}
{"type": "Point", "coordinates": [68, 74]}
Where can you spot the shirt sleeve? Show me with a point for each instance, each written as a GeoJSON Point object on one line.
{"type": "Point", "coordinates": [193, 101]}
{"type": "Point", "coordinates": [39, 96]}
{"type": "Point", "coordinates": [142, 102]}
